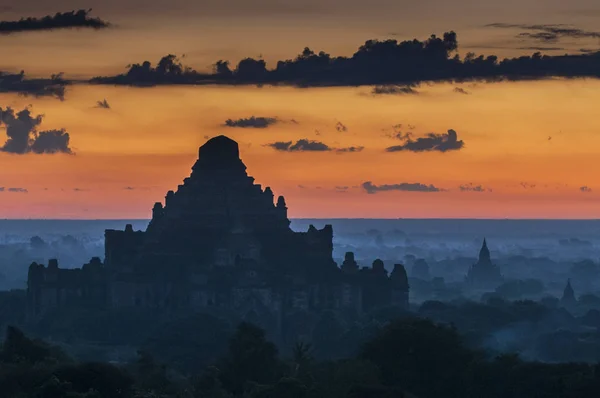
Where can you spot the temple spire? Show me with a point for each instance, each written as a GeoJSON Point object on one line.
{"type": "Point", "coordinates": [484, 253]}
{"type": "Point", "coordinates": [569, 293]}
{"type": "Point", "coordinates": [484, 274]}
{"type": "Point", "coordinates": [568, 299]}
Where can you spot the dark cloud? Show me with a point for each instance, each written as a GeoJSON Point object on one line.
{"type": "Point", "coordinates": [73, 19]}
{"type": "Point", "coordinates": [129, 188]}
{"type": "Point", "coordinates": [541, 36]}
{"type": "Point", "coordinates": [169, 70]}
{"type": "Point", "coordinates": [350, 149]}
{"type": "Point", "coordinates": [80, 190]}
{"type": "Point", "coordinates": [460, 90]}
{"type": "Point", "coordinates": [375, 63]}
{"type": "Point", "coordinates": [585, 189]}
{"type": "Point", "coordinates": [17, 83]}
{"type": "Point", "coordinates": [302, 145]}
{"type": "Point", "coordinates": [548, 32]}
{"type": "Point", "coordinates": [470, 187]}
{"type": "Point", "coordinates": [17, 190]}
{"type": "Point", "coordinates": [103, 104]}
{"type": "Point", "coordinates": [51, 141]}
{"type": "Point", "coordinates": [23, 135]}
{"type": "Point", "coordinates": [259, 122]}
{"type": "Point", "coordinates": [341, 127]}
{"type": "Point", "coordinates": [19, 129]}
{"type": "Point", "coordinates": [306, 145]}
{"type": "Point", "coordinates": [432, 142]}
{"type": "Point", "coordinates": [370, 188]}
{"type": "Point", "coordinates": [393, 90]}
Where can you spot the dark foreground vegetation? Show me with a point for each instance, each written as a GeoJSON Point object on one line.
{"type": "Point", "coordinates": [406, 358]}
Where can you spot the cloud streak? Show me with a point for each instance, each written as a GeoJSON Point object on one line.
{"type": "Point", "coordinates": [547, 33]}
{"type": "Point", "coordinates": [15, 190]}
{"type": "Point", "coordinates": [19, 84]}
{"type": "Point", "coordinates": [393, 90]}
{"type": "Point", "coordinates": [350, 149]}
{"type": "Point", "coordinates": [372, 189]}
{"type": "Point", "coordinates": [258, 122]}
{"type": "Point", "coordinates": [375, 63]}
{"type": "Point", "coordinates": [306, 145]}
{"type": "Point", "coordinates": [64, 20]}
{"type": "Point", "coordinates": [302, 145]}
{"type": "Point", "coordinates": [470, 187]}
{"type": "Point", "coordinates": [431, 143]}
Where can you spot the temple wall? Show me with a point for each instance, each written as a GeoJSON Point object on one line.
{"type": "Point", "coordinates": [351, 296]}
{"type": "Point", "coordinates": [121, 247]}
{"type": "Point", "coordinates": [300, 299]}
{"type": "Point", "coordinates": [135, 294]}
{"type": "Point", "coordinates": [201, 298]}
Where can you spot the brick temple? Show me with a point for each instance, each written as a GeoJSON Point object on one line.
{"type": "Point", "coordinates": [219, 243]}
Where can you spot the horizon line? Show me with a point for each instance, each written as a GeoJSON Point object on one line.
{"type": "Point", "coordinates": [332, 218]}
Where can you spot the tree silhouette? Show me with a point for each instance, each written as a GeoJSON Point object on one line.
{"type": "Point", "coordinates": [426, 359]}
{"type": "Point", "coordinates": [250, 358]}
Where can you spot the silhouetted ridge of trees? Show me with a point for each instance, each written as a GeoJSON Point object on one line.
{"type": "Point", "coordinates": [374, 63]}
{"type": "Point", "coordinates": [408, 358]}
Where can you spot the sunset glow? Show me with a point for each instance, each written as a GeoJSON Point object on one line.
{"type": "Point", "coordinates": [531, 149]}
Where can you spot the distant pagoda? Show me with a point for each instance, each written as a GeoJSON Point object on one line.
{"type": "Point", "coordinates": [484, 274]}
{"type": "Point", "coordinates": [568, 299]}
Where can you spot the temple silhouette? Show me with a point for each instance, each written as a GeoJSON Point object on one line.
{"type": "Point", "coordinates": [568, 299]}
{"type": "Point", "coordinates": [484, 274]}
{"type": "Point", "coordinates": [220, 243]}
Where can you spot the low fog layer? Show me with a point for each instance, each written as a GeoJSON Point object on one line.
{"type": "Point", "coordinates": [550, 251]}
{"type": "Point", "coordinates": [73, 243]}
{"type": "Point", "coordinates": [524, 249]}
{"type": "Point", "coordinates": [543, 304]}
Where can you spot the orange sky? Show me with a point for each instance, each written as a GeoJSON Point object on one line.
{"type": "Point", "coordinates": [129, 156]}
{"type": "Point", "coordinates": [149, 139]}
